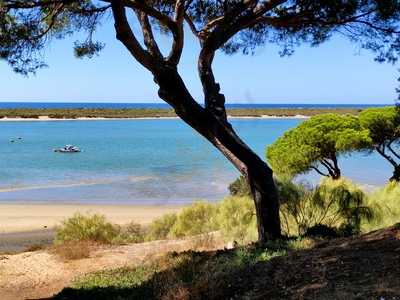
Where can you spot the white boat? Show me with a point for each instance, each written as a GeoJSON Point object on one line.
{"type": "Point", "coordinates": [68, 149]}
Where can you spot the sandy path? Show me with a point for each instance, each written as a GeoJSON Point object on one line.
{"type": "Point", "coordinates": [41, 274]}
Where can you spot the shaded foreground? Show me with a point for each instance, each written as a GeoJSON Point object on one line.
{"type": "Point", "coordinates": [363, 267]}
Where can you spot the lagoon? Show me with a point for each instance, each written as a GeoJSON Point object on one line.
{"type": "Point", "coordinates": [151, 161]}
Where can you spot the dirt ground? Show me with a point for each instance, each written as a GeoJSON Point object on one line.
{"type": "Point", "coordinates": [41, 274]}
{"type": "Point", "coordinates": [363, 267]}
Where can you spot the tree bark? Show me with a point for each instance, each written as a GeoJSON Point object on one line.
{"type": "Point", "coordinates": [260, 177]}
{"type": "Point", "coordinates": [396, 174]}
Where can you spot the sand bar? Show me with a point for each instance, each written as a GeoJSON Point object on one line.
{"type": "Point", "coordinates": [30, 217]}
{"type": "Point", "coordinates": [47, 118]}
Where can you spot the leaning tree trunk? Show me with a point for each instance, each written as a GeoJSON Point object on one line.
{"type": "Point", "coordinates": [222, 136]}
{"type": "Point", "coordinates": [396, 174]}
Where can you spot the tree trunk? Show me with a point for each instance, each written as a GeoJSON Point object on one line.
{"type": "Point", "coordinates": [222, 136]}
{"type": "Point", "coordinates": [396, 174]}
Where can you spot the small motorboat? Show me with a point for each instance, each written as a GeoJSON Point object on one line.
{"type": "Point", "coordinates": [68, 149]}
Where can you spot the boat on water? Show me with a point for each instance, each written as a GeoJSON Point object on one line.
{"type": "Point", "coordinates": [68, 149]}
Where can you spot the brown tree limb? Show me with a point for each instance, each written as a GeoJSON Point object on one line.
{"type": "Point", "coordinates": [148, 36]}
{"type": "Point", "coordinates": [126, 36]}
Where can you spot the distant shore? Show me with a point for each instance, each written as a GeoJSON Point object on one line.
{"type": "Point", "coordinates": [48, 114]}
{"type": "Point", "coordinates": [47, 118]}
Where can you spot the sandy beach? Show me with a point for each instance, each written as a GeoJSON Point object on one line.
{"type": "Point", "coordinates": [24, 225]}
{"type": "Point", "coordinates": [47, 118]}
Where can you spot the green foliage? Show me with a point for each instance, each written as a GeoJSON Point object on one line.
{"type": "Point", "coordinates": [91, 227]}
{"type": "Point", "coordinates": [161, 228]}
{"type": "Point", "coordinates": [198, 218]}
{"type": "Point", "coordinates": [96, 228]}
{"type": "Point", "coordinates": [240, 187]}
{"type": "Point", "coordinates": [26, 28]}
{"type": "Point", "coordinates": [386, 203]}
{"type": "Point", "coordinates": [237, 219]}
{"type": "Point", "coordinates": [315, 142]}
{"type": "Point", "coordinates": [383, 124]}
{"type": "Point", "coordinates": [336, 204]}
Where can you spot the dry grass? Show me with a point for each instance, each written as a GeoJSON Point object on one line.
{"type": "Point", "coordinates": [35, 247]}
{"type": "Point", "coordinates": [73, 250]}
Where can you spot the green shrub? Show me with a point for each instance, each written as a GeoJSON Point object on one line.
{"type": "Point", "coordinates": [334, 203]}
{"type": "Point", "coordinates": [130, 233]}
{"type": "Point", "coordinates": [161, 227]}
{"type": "Point", "coordinates": [90, 227]}
{"type": "Point", "coordinates": [240, 187]}
{"type": "Point", "coordinates": [198, 218]}
{"type": "Point", "coordinates": [386, 203]}
{"type": "Point", "coordinates": [237, 219]}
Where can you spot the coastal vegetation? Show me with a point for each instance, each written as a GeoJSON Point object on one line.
{"type": "Point", "coordinates": [316, 144]}
{"type": "Point", "coordinates": [63, 113]}
{"type": "Point", "coordinates": [312, 215]}
{"type": "Point", "coordinates": [384, 130]}
{"type": "Point", "coordinates": [228, 26]}
{"type": "Point", "coordinates": [320, 140]}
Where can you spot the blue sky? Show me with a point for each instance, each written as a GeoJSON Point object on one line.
{"type": "Point", "coordinates": [336, 72]}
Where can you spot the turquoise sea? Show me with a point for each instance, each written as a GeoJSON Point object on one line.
{"type": "Point", "coordinates": [136, 161]}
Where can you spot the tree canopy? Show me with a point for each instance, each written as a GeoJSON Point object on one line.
{"type": "Point", "coordinates": [383, 125]}
{"type": "Point", "coordinates": [316, 145]}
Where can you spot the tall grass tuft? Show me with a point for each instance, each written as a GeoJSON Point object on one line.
{"type": "Point", "coordinates": [386, 202]}
{"type": "Point", "coordinates": [161, 227]}
{"type": "Point", "coordinates": [198, 218]}
{"type": "Point", "coordinates": [237, 219]}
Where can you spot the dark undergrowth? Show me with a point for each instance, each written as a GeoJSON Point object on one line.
{"type": "Point", "coordinates": [358, 267]}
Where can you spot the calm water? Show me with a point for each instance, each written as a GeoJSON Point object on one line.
{"type": "Point", "coordinates": [136, 161]}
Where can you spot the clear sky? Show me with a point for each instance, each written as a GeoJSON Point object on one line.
{"type": "Point", "coordinates": [336, 72]}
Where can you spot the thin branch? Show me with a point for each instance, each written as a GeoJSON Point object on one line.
{"type": "Point", "coordinates": [387, 157]}
{"type": "Point", "coordinates": [391, 149]}
{"type": "Point", "coordinates": [192, 26]}
{"type": "Point", "coordinates": [178, 33]}
{"type": "Point", "coordinates": [142, 6]}
{"type": "Point", "coordinates": [148, 36]}
{"type": "Point", "coordinates": [319, 171]}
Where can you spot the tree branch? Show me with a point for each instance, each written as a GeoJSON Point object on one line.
{"type": "Point", "coordinates": [148, 36]}
{"type": "Point", "coordinates": [126, 36]}
{"type": "Point", "coordinates": [391, 149]}
{"type": "Point", "coordinates": [178, 33]}
{"type": "Point", "coordinates": [319, 171]}
{"type": "Point", "coordinates": [387, 157]}
{"type": "Point", "coordinates": [192, 26]}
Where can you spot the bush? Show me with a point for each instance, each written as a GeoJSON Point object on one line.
{"type": "Point", "coordinates": [334, 203]}
{"type": "Point", "coordinates": [198, 218]}
{"type": "Point", "coordinates": [89, 227]}
{"type": "Point", "coordinates": [237, 219]}
{"type": "Point", "coordinates": [240, 187]}
{"type": "Point", "coordinates": [161, 227]}
{"type": "Point", "coordinates": [385, 202]}
{"type": "Point", "coordinates": [130, 233]}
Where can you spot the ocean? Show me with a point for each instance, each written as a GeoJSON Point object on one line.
{"type": "Point", "coordinates": [152, 161]}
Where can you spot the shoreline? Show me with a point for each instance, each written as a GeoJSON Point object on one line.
{"type": "Point", "coordinates": [46, 118]}
{"type": "Point", "coordinates": [25, 217]}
